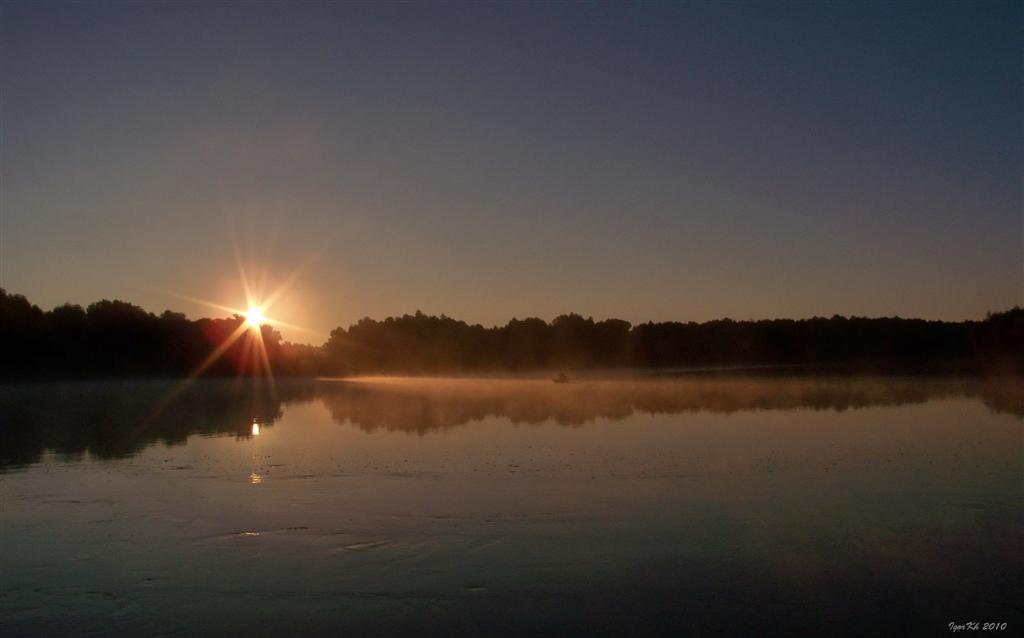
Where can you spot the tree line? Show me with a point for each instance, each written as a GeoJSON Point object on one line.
{"type": "Point", "coordinates": [119, 339]}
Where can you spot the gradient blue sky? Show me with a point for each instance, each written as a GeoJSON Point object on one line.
{"type": "Point", "coordinates": [649, 162]}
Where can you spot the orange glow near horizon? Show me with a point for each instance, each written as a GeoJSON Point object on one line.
{"type": "Point", "coordinates": [254, 356]}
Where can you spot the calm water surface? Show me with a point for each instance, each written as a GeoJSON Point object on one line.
{"type": "Point", "coordinates": [708, 505]}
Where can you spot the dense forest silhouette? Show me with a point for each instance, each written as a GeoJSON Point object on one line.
{"type": "Point", "coordinates": [116, 339]}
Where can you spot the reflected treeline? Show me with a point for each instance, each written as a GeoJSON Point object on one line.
{"type": "Point", "coordinates": [116, 339]}
{"type": "Point", "coordinates": [423, 405]}
{"type": "Point", "coordinates": [116, 420]}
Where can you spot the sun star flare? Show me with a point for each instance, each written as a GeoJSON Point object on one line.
{"type": "Point", "coordinates": [254, 317]}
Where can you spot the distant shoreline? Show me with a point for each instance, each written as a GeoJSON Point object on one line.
{"type": "Point", "coordinates": [115, 339]}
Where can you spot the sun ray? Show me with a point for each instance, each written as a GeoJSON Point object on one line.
{"type": "Point", "coordinates": [277, 323]}
{"type": "Point", "coordinates": [254, 357]}
{"type": "Point", "coordinates": [217, 352]}
{"type": "Point", "coordinates": [290, 280]}
{"type": "Point", "coordinates": [198, 300]}
{"type": "Point", "coordinates": [247, 357]}
{"type": "Point", "coordinates": [236, 251]}
{"type": "Point", "coordinates": [266, 362]}
{"type": "Point", "coordinates": [199, 370]}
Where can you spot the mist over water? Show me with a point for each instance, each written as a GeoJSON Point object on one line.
{"type": "Point", "coordinates": [717, 503]}
{"type": "Point", "coordinates": [763, 261]}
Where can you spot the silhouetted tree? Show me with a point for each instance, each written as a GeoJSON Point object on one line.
{"type": "Point", "coordinates": [118, 339]}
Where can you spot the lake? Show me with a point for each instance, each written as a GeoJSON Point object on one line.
{"type": "Point", "coordinates": [709, 505]}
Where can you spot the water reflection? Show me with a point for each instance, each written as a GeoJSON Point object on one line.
{"type": "Point", "coordinates": [116, 420]}
{"type": "Point", "coordinates": [622, 512]}
{"type": "Point", "coordinates": [422, 405]}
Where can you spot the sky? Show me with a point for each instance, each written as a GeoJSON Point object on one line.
{"type": "Point", "coordinates": [676, 161]}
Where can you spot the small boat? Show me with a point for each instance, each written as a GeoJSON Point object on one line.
{"type": "Point", "coordinates": [561, 378]}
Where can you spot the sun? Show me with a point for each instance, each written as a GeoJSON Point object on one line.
{"type": "Point", "coordinates": [254, 317]}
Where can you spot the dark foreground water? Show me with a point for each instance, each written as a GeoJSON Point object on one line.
{"type": "Point", "coordinates": [709, 505]}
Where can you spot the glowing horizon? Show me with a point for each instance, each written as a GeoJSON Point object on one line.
{"type": "Point", "coordinates": [680, 161]}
